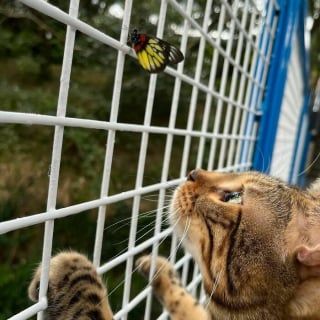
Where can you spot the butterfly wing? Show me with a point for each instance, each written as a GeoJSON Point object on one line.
{"type": "Point", "coordinates": [174, 55]}
{"type": "Point", "coordinates": [153, 53]}
{"type": "Point", "coordinates": [152, 58]}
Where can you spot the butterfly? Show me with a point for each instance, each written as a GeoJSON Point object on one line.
{"type": "Point", "coordinates": [153, 53]}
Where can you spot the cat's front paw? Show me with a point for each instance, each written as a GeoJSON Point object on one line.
{"type": "Point", "coordinates": [164, 273]}
{"type": "Point", "coordinates": [166, 284]}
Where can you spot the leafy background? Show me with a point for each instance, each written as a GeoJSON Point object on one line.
{"type": "Point", "coordinates": [31, 51]}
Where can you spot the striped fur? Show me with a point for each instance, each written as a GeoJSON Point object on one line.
{"type": "Point", "coordinates": [256, 241]}
{"type": "Point", "coordinates": [75, 290]}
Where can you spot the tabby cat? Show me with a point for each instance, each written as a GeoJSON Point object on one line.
{"type": "Point", "coordinates": [256, 241]}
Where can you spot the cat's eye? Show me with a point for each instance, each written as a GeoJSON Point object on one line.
{"type": "Point", "coordinates": [233, 197]}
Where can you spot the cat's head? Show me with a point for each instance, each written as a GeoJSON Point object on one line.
{"type": "Point", "coordinates": [254, 238]}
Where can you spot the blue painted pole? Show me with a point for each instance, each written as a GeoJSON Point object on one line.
{"type": "Point", "coordinates": [271, 106]}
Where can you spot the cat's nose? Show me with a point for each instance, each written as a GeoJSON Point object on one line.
{"type": "Point", "coordinates": [192, 175]}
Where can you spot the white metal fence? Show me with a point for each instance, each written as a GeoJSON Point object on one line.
{"type": "Point", "coordinates": [215, 129]}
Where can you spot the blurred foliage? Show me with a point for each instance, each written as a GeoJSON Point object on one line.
{"type": "Point", "coordinates": [31, 53]}
{"type": "Point", "coordinates": [314, 9]}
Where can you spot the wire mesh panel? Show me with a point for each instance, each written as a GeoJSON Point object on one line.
{"type": "Point", "coordinates": [285, 125]}
{"type": "Point", "coordinates": [117, 165]}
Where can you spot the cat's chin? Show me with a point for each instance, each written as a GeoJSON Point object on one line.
{"type": "Point", "coordinates": [187, 243]}
{"type": "Point", "coordinates": [181, 225]}
{"type": "Point", "coordinates": [179, 228]}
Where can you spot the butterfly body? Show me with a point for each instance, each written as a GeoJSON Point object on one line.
{"type": "Point", "coordinates": [154, 54]}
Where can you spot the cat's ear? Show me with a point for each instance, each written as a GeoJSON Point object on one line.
{"type": "Point", "coordinates": [309, 261]}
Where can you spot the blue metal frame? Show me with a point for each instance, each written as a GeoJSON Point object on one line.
{"type": "Point", "coordinates": [287, 24]}
{"type": "Point", "coordinates": [305, 110]}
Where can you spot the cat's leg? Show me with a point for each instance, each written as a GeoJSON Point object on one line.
{"type": "Point", "coordinates": [75, 290]}
{"type": "Point", "coordinates": [166, 285]}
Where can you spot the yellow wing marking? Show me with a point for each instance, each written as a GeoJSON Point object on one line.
{"type": "Point", "coordinates": [143, 59]}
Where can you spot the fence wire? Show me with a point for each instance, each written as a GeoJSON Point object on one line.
{"type": "Point", "coordinates": [215, 97]}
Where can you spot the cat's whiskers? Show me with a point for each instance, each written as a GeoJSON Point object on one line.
{"type": "Point", "coordinates": [177, 246]}
{"type": "Point", "coordinates": [133, 271]}
{"type": "Point", "coordinates": [152, 229]}
{"type": "Point", "coordinates": [122, 221]}
{"type": "Point", "coordinates": [185, 231]}
{"type": "Point", "coordinates": [265, 165]}
{"type": "Point", "coordinates": [310, 165]}
{"type": "Point", "coordinates": [126, 222]}
{"type": "Point", "coordinates": [160, 269]}
{"type": "Point", "coordinates": [155, 197]}
{"type": "Point", "coordinates": [138, 233]}
{"type": "Point", "coordinates": [214, 288]}
{"type": "Point", "coordinates": [151, 198]}
{"type": "Point", "coordinates": [136, 268]}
